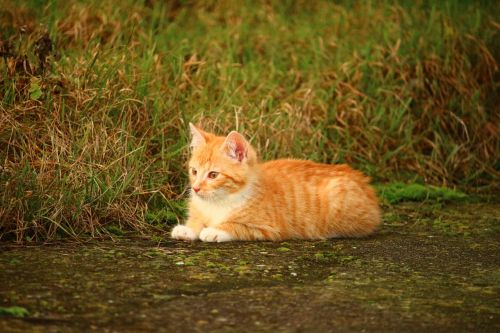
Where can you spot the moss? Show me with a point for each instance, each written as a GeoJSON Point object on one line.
{"type": "Point", "coordinates": [14, 311]}
{"type": "Point", "coordinates": [283, 249]}
{"type": "Point", "coordinates": [398, 192]}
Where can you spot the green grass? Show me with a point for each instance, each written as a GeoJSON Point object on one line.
{"type": "Point", "coordinates": [93, 130]}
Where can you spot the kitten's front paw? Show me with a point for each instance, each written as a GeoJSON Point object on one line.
{"type": "Point", "coordinates": [215, 235]}
{"type": "Point", "coordinates": [184, 233]}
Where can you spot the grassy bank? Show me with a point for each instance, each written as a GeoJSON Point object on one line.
{"type": "Point", "coordinates": [95, 98]}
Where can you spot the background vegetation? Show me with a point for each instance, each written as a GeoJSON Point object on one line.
{"type": "Point", "coordinates": [95, 97]}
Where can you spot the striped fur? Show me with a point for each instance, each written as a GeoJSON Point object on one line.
{"type": "Point", "coordinates": [276, 200]}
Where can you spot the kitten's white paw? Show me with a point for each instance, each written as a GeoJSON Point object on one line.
{"type": "Point", "coordinates": [215, 235]}
{"type": "Point", "coordinates": [184, 233]}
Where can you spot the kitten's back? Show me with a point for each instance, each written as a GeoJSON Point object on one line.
{"type": "Point", "coordinates": [312, 200]}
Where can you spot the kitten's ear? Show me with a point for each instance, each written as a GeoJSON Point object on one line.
{"type": "Point", "coordinates": [236, 146]}
{"type": "Point", "coordinates": [197, 136]}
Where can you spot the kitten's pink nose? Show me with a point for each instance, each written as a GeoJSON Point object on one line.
{"type": "Point", "coordinates": [196, 189]}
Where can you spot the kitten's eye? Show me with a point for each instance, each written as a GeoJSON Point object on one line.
{"type": "Point", "coordinates": [213, 174]}
{"type": "Point", "coordinates": [193, 171]}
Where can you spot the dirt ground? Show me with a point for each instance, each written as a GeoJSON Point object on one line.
{"type": "Point", "coordinates": [431, 268]}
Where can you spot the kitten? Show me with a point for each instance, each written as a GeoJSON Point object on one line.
{"type": "Point", "coordinates": [234, 197]}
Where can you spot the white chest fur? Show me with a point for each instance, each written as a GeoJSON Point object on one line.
{"type": "Point", "coordinates": [216, 212]}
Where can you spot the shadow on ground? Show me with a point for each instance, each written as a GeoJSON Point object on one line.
{"type": "Point", "coordinates": [431, 267]}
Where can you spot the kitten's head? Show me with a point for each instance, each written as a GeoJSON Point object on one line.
{"type": "Point", "coordinates": [219, 166]}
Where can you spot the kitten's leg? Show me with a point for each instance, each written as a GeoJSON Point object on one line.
{"type": "Point", "coordinates": [229, 231]}
{"type": "Point", "coordinates": [211, 234]}
{"type": "Point", "coordinates": [188, 232]}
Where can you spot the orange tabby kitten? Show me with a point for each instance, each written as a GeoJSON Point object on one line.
{"type": "Point", "coordinates": [234, 197]}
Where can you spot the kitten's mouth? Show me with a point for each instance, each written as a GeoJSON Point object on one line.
{"type": "Point", "coordinates": [206, 196]}
{"type": "Point", "coordinates": [200, 194]}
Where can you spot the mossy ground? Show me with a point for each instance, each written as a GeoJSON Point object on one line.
{"type": "Point", "coordinates": [431, 267]}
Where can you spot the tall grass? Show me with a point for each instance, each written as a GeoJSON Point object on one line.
{"type": "Point", "coordinates": [95, 97]}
